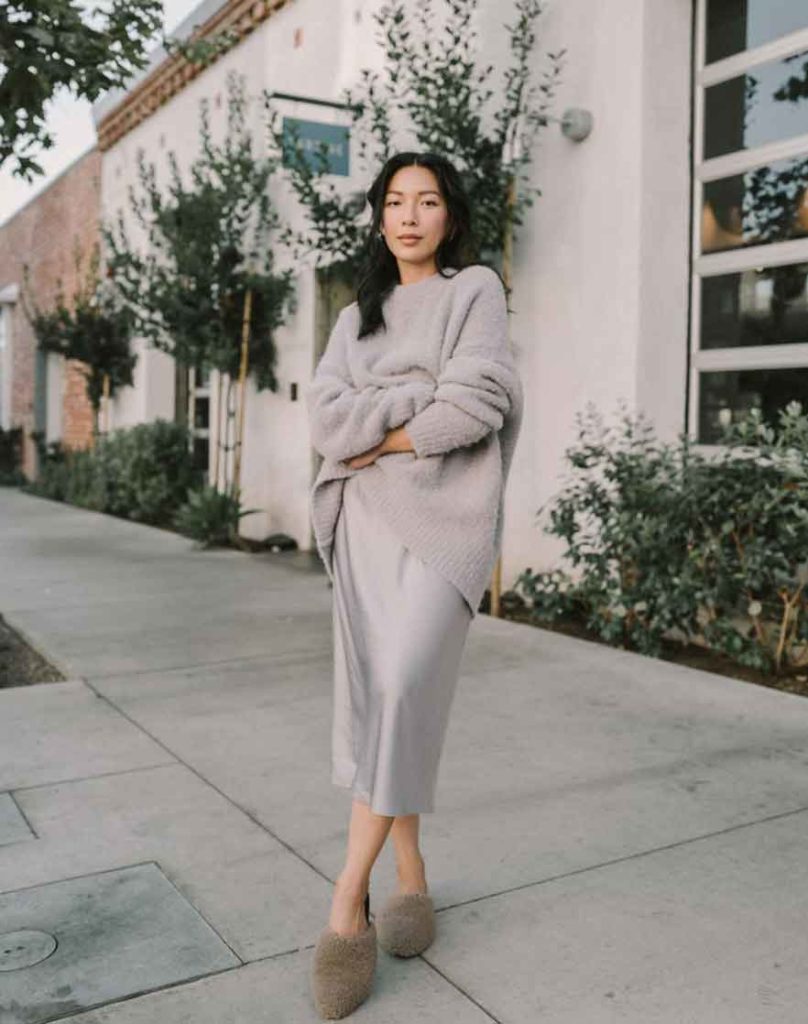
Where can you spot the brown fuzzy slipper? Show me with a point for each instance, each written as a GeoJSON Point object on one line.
{"type": "Point", "coordinates": [342, 970]}
{"type": "Point", "coordinates": [406, 924]}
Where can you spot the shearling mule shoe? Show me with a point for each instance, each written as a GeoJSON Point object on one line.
{"type": "Point", "coordinates": [343, 969]}
{"type": "Point", "coordinates": [406, 923]}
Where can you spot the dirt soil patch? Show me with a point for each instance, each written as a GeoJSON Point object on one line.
{"type": "Point", "coordinates": [692, 655]}
{"type": "Point", "coordinates": [20, 664]}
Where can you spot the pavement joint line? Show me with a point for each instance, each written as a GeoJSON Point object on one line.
{"type": "Point", "coordinates": [627, 857]}
{"type": "Point", "coordinates": [457, 988]}
{"type": "Point", "coordinates": [173, 595]}
{"type": "Point", "coordinates": [525, 885]}
{"type": "Point", "coordinates": [89, 874]}
{"type": "Point", "coordinates": [248, 814]}
{"type": "Point", "coordinates": [167, 874]}
{"type": "Point", "coordinates": [302, 659]}
{"type": "Point", "coordinates": [145, 992]}
{"type": "Point", "coordinates": [580, 870]}
{"type": "Point", "coordinates": [296, 950]}
{"type": "Point", "coordinates": [89, 778]}
{"type": "Point", "coordinates": [138, 864]}
{"type": "Point", "coordinates": [179, 590]}
{"type": "Point", "coordinates": [297, 854]}
{"type": "Point", "coordinates": [39, 647]}
{"type": "Point", "coordinates": [24, 817]}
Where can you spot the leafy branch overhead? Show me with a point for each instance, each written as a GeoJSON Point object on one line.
{"type": "Point", "coordinates": [432, 88]}
{"type": "Point", "coordinates": [49, 45]}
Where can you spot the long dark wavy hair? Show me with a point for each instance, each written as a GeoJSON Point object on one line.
{"type": "Point", "coordinates": [379, 272]}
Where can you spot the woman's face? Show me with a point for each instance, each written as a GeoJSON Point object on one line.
{"type": "Point", "coordinates": [413, 205]}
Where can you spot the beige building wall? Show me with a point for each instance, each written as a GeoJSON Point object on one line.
{"type": "Point", "coordinates": [600, 263]}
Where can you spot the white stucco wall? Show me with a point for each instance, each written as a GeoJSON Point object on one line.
{"type": "Point", "coordinates": [600, 278]}
{"type": "Point", "coordinates": [600, 263]}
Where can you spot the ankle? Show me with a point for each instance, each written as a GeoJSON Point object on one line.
{"type": "Point", "coordinates": [411, 875]}
{"type": "Point", "coordinates": [409, 863]}
{"type": "Point", "coordinates": [351, 887]}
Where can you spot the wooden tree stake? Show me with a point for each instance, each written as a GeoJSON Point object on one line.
{"type": "Point", "coordinates": [242, 385]}
{"type": "Point", "coordinates": [507, 257]}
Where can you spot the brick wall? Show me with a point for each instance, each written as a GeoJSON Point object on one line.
{"type": "Point", "coordinates": [44, 234]}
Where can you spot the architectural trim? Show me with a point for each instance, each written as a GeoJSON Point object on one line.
{"type": "Point", "coordinates": [173, 73]}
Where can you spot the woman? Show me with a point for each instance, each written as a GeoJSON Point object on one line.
{"type": "Point", "coordinates": [415, 406]}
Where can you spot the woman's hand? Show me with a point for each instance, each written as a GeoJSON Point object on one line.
{"type": "Point", "coordinates": [365, 459]}
{"type": "Point", "coordinates": [394, 441]}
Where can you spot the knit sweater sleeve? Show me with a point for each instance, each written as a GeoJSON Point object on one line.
{"type": "Point", "coordinates": [345, 420]}
{"type": "Point", "coordinates": [479, 383]}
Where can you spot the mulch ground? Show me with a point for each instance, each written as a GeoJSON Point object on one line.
{"type": "Point", "coordinates": [692, 655]}
{"type": "Point", "coordinates": [20, 664]}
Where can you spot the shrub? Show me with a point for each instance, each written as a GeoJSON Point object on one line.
{"type": "Point", "coordinates": [669, 541]}
{"type": "Point", "coordinates": [11, 456]}
{"type": "Point", "coordinates": [210, 516]}
{"type": "Point", "coordinates": [142, 472]}
{"type": "Point", "coordinates": [147, 471]}
{"type": "Point", "coordinates": [51, 480]}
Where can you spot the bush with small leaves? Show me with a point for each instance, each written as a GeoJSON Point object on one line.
{"type": "Point", "coordinates": [211, 517]}
{"type": "Point", "coordinates": [141, 472]}
{"type": "Point", "coordinates": [667, 542]}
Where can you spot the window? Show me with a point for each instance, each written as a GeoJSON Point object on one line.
{"type": "Point", "coordinates": [750, 233]}
{"type": "Point", "coordinates": [199, 415]}
{"type": "Point", "coordinates": [5, 370]}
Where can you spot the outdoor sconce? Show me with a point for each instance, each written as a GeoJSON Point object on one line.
{"type": "Point", "coordinates": [576, 123]}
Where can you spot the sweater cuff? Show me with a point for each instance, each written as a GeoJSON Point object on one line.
{"type": "Point", "coordinates": [427, 431]}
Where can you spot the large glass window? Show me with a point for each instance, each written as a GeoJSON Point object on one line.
{"type": "Point", "coordinates": [736, 25]}
{"type": "Point", "coordinates": [764, 104]}
{"type": "Point", "coordinates": [750, 298]}
{"type": "Point", "coordinates": [766, 204]}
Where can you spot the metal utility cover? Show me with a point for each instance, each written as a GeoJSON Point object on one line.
{"type": "Point", "coordinates": [117, 933]}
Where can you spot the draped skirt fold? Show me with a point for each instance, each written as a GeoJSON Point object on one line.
{"type": "Point", "coordinates": [399, 630]}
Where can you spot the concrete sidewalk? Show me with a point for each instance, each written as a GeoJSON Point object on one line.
{"type": "Point", "coordinates": [616, 838]}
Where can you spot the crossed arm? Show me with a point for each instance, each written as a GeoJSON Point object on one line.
{"type": "Point", "coordinates": [346, 421]}
{"type": "Point", "coordinates": [473, 394]}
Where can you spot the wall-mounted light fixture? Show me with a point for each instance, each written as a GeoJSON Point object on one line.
{"type": "Point", "coordinates": [576, 123]}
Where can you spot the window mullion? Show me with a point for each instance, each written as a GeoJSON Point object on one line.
{"type": "Point", "coordinates": [752, 357]}
{"type": "Point", "coordinates": [738, 63]}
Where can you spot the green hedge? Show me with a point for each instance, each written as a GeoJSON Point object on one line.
{"type": "Point", "coordinates": [142, 473]}
{"type": "Point", "coordinates": [11, 456]}
{"type": "Point", "coordinates": [667, 541]}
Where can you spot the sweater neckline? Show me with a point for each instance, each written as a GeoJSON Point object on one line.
{"type": "Point", "coordinates": [398, 289]}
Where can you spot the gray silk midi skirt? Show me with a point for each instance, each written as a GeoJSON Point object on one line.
{"type": "Point", "coordinates": [399, 630]}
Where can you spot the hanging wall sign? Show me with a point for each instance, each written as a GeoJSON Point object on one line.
{"type": "Point", "coordinates": [311, 136]}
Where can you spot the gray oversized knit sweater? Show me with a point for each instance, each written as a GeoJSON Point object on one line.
{"type": "Point", "coordinates": [443, 369]}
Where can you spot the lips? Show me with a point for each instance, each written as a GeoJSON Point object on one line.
{"type": "Point", "coordinates": [409, 238]}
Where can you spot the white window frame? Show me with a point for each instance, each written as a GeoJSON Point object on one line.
{"type": "Point", "coordinates": [196, 391]}
{"type": "Point", "coordinates": [8, 297]}
{"type": "Point", "coordinates": [756, 357]}
{"type": "Point", "coordinates": [5, 366]}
